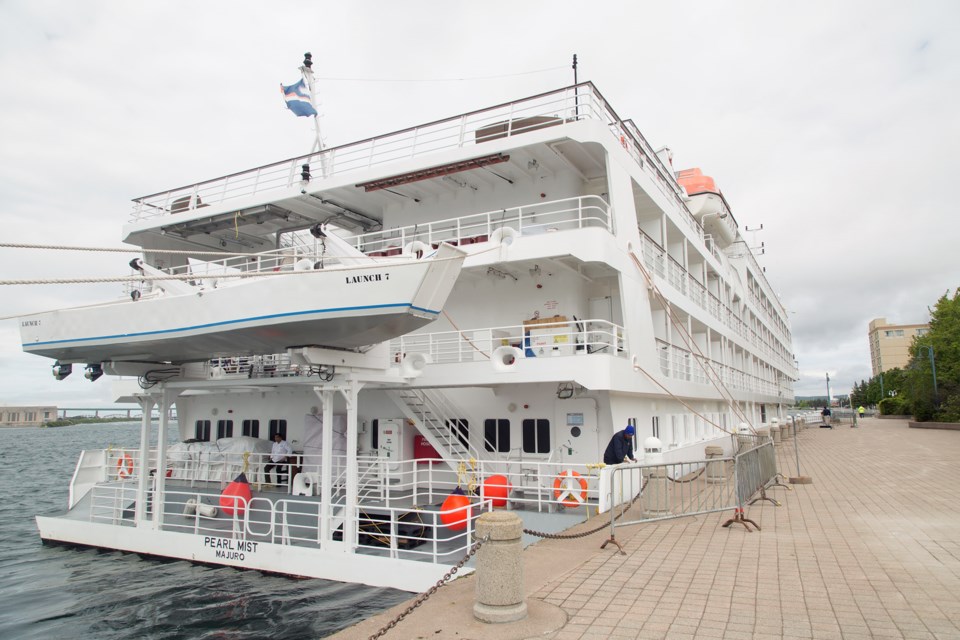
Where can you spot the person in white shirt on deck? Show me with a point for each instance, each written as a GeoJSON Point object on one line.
{"type": "Point", "coordinates": [280, 457]}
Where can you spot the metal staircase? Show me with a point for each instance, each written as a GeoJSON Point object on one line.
{"type": "Point", "coordinates": [436, 419]}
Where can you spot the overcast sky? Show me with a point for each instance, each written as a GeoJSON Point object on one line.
{"type": "Point", "coordinates": [835, 125]}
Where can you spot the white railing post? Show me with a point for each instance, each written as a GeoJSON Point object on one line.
{"type": "Point", "coordinates": [463, 126]}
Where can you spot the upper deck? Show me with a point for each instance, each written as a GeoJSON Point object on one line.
{"type": "Point", "coordinates": [339, 181]}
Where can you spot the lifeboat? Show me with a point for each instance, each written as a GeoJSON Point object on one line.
{"type": "Point", "coordinates": [343, 308]}
{"type": "Point", "coordinates": [708, 206]}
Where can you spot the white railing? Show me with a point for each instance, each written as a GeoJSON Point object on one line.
{"type": "Point", "coordinates": [579, 102]}
{"type": "Point", "coordinates": [679, 363]}
{"type": "Point", "coordinates": [656, 259]}
{"type": "Point", "coordinates": [557, 215]}
{"type": "Point", "coordinates": [469, 129]}
{"type": "Point", "coordinates": [535, 483]}
{"type": "Point", "coordinates": [581, 337]}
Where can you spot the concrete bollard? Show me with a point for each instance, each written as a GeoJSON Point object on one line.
{"type": "Point", "coordinates": [656, 495]}
{"type": "Point", "coordinates": [744, 441]}
{"type": "Point", "coordinates": [500, 568]}
{"type": "Point", "coordinates": [784, 429]}
{"type": "Point", "coordinates": [764, 432]}
{"type": "Point", "coordinates": [716, 471]}
{"type": "Point", "coordinates": [775, 434]}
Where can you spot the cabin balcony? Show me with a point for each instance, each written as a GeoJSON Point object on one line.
{"type": "Point", "coordinates": [681, 364]}
{"type": "Point", "coordinates": [664, 266]}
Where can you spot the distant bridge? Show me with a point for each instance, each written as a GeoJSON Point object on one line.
{"type": "Point", "coordinates": [101, 412]}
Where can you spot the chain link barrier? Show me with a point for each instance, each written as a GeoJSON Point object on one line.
{"type": "Point", "coordinates": [432, 590]}
{"type": "Point", "coordinates": [584, 534]}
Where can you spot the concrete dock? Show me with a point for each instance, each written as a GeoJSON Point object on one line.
{"type": "Point", "coordinates": [870, 549]}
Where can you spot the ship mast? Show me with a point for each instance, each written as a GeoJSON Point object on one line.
{"type": "Point", "coordinates": [306, 69]}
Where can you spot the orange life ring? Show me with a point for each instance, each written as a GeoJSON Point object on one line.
{"type": "Point", "coordinates": [565, 489]}
{"type": "Point", "coordinates": [125, 466]}
{"type": "Point", "coordinates": [623, 141]}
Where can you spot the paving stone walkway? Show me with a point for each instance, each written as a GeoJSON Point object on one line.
{"type": "Point", "coordinates": [871, 549]}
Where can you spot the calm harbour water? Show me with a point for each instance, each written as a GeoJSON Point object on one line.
{"type": "Point", "coordinates": [63, 592]}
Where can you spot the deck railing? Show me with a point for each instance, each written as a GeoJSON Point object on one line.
{"type": "Point", "coordinates": [567, 338]}
{"type": "Point", "coordinates": [571, 104]}
{"type": "Point", "coordinates": [541, 217]}
{"type": "Point", "coordinates": [679, 363]}
{"type": "Point", "coordinates": [531, 219]}
{"type": "Point", "coordinates": [656, 259]}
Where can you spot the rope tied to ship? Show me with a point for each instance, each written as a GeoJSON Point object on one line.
{"type": "Point", "coordinates": [447, 577]}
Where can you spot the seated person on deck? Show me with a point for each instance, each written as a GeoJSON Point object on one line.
{"type": "Point", "coordinates": [279, 458]}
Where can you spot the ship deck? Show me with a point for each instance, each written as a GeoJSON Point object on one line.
{"type": "Point", "coordinates": [278, 517]}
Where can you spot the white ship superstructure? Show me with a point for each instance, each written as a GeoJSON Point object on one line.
{"type": "Point", "coordinates": [578, 284]}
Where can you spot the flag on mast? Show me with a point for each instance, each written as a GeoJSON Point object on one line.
{"type": "Point", "coordinates": [298, 99]}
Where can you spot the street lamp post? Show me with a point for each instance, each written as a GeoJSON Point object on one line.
{"type": "Point", "coordinates": [933, 367]}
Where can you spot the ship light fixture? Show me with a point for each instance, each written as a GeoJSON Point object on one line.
{"type": "Point", "coordinates": [93, 371]}
{"type": "Point", "coordinates": [433, 172]}
{"type": "Point", "coordinates": [61, 371]}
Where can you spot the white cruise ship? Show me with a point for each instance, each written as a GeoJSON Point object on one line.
{"type": "Point", "coordinates": [438, 321]}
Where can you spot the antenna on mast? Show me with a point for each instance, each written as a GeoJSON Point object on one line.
{"type": "Point", "coordinates": [576, 99]}
{"type": "Point", "coordinates": [307, 70]}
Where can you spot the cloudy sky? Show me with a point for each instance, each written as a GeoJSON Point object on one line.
{"type": "Point", "coordinates": [834, 125]}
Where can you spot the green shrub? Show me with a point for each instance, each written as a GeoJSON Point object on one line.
{"type": "Point", "coordinates": [893, 407]}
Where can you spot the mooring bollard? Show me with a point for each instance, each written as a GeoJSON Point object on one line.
{"type": "Point", "coordinates": [744, 441]}
{"type": "Point", "coordinates": [656, 495]}
{"type": "Point", "coordinates": [500, 568]}
{"type": "Point", "coordinates": [784, 430]}
{"type": "Point", "coordinates": [716, 470]}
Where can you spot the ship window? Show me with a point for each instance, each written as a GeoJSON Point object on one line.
{"type": "Point", "coordinates": [460, 428]}
{"type": "Point", "coordinates": [536, 436]}
{"type": "Point", "coordinates": [224, 429]}
{"type": "Point", "coordinates": [278, 426]}
{"type": "Point", "coordinates": [655, 426]}
{"type": "Point", "coordinates": [202, 430]}
{"type": "Point", "coordinates": [496, 435]}
{"type": "Point", "coordinates": [251, 428]}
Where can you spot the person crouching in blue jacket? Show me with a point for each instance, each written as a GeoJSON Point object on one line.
{"type": "Point", "coordinates": [620, 448]}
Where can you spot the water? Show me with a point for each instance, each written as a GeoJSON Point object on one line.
{"type": "Point", "coordinates": [63, 592]}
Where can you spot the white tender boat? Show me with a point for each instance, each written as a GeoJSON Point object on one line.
{"type": "Point", "coordinates": [219, 313]}
{"type": "Point", "coordinates": [589, 289]}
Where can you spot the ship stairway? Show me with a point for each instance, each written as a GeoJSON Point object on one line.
{"type": "Point", "coordinates": [437, 420]}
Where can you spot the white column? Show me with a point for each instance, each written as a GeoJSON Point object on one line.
{"type": "Point", "coordinates": [143, 461]}
{"type": "Point", "coordinates": [326, 466]}
{"type": "Point", "coordinates": [166, 400]}
{"type": "Point", "coordinates": [350, 508]}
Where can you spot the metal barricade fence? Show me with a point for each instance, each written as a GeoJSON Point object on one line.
{"type": "Point", "coordinates": [677, 490]}
{"type": "Point", "coordinates": [671, 490]}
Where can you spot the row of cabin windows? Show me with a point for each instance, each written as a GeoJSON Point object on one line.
{"type": "Point", "coordinates": [534, 434]}
{"type": "Point", "coordinates": [250, 428]}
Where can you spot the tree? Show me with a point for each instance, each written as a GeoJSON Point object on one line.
{"type": "Point", "coordinates": [870, 392]}
{"type": "Point", "coordinates": [936, 355]}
